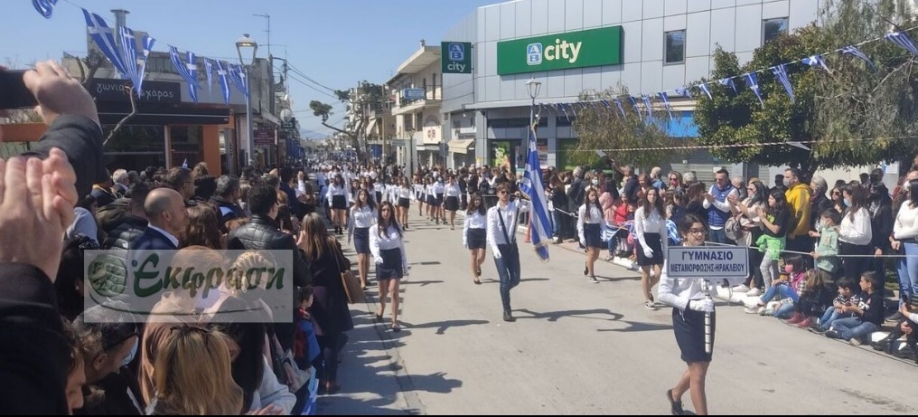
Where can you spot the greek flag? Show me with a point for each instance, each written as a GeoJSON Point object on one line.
{"type": "Point", "coordinates": [209, 70]}
{"type": "Point", "coordinates": [780, 72]}
{"type": "Point", "coordinates": [237, 76]}
{"type": "Point", "coordinates": [102, 35]}
{"type": "Point", "coordinates": [147, 47]}
{"type": "Point", "coordinates": [707, 90]}
{"type": "Point", "coordinates": [129, 53]}
{"type": "Point", "coordinates": [647, 105]}
{"type": "Point", "coordinates": [684, 92]}
{"type": "Point", "coordinates": [44, 7]}
{"type": "Point", "coordinates": [183, 70]}
{"type": "Point", "coordinates": [635, 106]}
{"type": "Point", "coordinates": [618, 103]}
{"type": "Point", "coordinates": [728, 82]}
{"type": "Point", "coordinates": [224, 82]}
{"type": "Point", "coordinates": [607, 105]}
{"type": "Point", "coordinates": [902, 39]}
{"type": "Point", "coordinates": [852, 50]}
{"type": "Point", "coordinates": [753, 81]}
{"type": "Point", "coordinates": [532, 186]}
{"type": "Point", "coordinates": [563, 110]}
{"type": "Point", "coordinates": [814, 61]}
{"type": "Point", "coordinates": [665, 98]}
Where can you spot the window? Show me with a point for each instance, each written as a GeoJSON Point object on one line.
{"type": "Point", "coordinates": [772, 28]}
{"type": "Point", "coordinates": [434, 86]}
{"type": "Point", "coordinates": [675, 47]}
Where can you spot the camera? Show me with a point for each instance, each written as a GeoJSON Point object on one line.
{"type": "Point", "coordinates": [13, 91]}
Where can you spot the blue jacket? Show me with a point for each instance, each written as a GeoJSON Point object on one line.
{"type": "Point", "coordinates": [152, 240]}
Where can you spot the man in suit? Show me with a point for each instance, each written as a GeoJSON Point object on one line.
{"type": "Point", "coordinates": [165, 209]}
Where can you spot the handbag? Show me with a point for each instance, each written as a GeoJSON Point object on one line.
{"type": "Point", "coordinates": [350, 283]}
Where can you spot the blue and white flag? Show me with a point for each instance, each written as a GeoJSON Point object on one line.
{"type": "Point", "coordinates": [540, 232]}
{"type": "Point", "coordinates": [728, 82]}
{"type": "Point", "coordinates": [128, 53]}
{"type": "Point", "coordinates": [753, 81]}
{"type": "Point", "coordinates": [635, 106]}
{"type": "Point", "coordinates": [707, 90]}
{"type": "Point", "coordinates": [102, 35]}
{"type": "Point", "coordinates": [648, 107]}
{"type": "Point", "coordinates": [684, 91]}
{"type": "Point", "coordinates": [147, 44]}
{"type": "Point", "coordinates": [185, 164]}
{"type": "Point", "coordinates": [563, 110]}
{"type": "Point", "coordinates": [605, 103]}
{"type": "Point", "coordinates": [815, 60]}
{"type": "Point", "coordinates": [239, 79]}
{"type": "Point", "coordinates": [44, 7]}
{"type": "Point", "coordinates": [209, 70]}
{"type": "Point", "coordinates": [665, 98]}
{"type": "Point", "coordinates": [224, 82]}
{"type": "Point", "coordinates": [902, 39]}
{"type": "Point", "coordinates": [618, 103]}
{"type": "Point", "coordinates": [780, 72]}
{"type": "Point", "coordinates": [183, 70]}
{"type": "Point", "coordinates": [852, 50]}
{"type": "Point", "coordinates": [192, 66]}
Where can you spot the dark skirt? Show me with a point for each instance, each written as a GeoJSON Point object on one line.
{"type": "Point", "coordinates": [592, 235]}
{"type": "Point", "coordinates": [688, 326]}
{"type": "Point", "coordinates": [439, 200]}
{"type": "Point", "coordinates": [391, 267]}
{"type": "Point", "coordinates": [339, 202]}
{"type": "Point", "coordinates": [362, 240]}
{"type": "Point", "coordinates": [431, 200]}
{"type": "Point", "coordinates": [452, 203]}
{"type": "Point", "coordinates": [378, 198]}
{"type": "Point", "coordinates": [404, 203]}
{"type": "Point", "coordinates": [653, 241]}
{"type": "Point", "coordinates": [477, 238]}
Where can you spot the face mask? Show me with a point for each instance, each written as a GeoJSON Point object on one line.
{"type": "Point", "coordinates": [788, 268]}
{"type": "Point", "coordinates": [847, 203]}
{"type": "Point", "coordinates": [786, 182]}
{"type": "Point", "coordinates": [130, 357]}
{"type": "Point", "coordinates": [595, 182]}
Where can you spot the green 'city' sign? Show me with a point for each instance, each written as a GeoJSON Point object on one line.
{"type": "Point", "coordinates": [587, 48]}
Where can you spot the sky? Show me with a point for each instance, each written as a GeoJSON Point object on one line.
{"type": "Point", "coordinates": [335, 42]}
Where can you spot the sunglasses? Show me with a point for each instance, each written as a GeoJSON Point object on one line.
{"type": "Point", "coordinates": [122, 338]}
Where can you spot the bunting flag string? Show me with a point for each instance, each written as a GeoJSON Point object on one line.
{"type": "Point", "coordinates": [814, 61]}
{"type": "Point", "coordinates": [147, 45]}
{"type": "Point", "coordinates": [752, 80]}
{"type": "Point", "coordinates": [44, 7]}
{"type": "Point", "coordinates": [224, 83]}
{"type": "Point", "coordinates": [635, 106]}
{"type": "Point", "coordinates": [728, 82]}
{"type": "Point", "coordinates": [852, 50]}
{"type": "Point", "coordinates": [102, 35]}
{"type": "Point", "coordinates": [902, 39]}
{"type": "Point", "coordinates": [704, 87]}
{"type": "Point", "coordinates": [209, 70]}
{"type": "Point", "coordinates": [183, 70]}
{"type": "Point", "coordinates": [684, 92]}
{"type": "Point", "coordinates": [648, 106]}
{"type": "Point", "coordinates": [618, 103]}
{"type": "Point", "coordinates": [665, 98]}
{"type": "Point", "coordinates": [780, 72]}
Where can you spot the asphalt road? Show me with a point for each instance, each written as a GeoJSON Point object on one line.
{"type": "Point", "coordinates": [584, 348]}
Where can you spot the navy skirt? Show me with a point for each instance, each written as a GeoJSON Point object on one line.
{"type": "Point", "coordinates": [452, 203]}
{"type": "Point", "coordinates": [688, 326]}
{"type": "Point", "coordinates": [339, 202]}
{"type": "Point", "coordinates": [654, 243]}
{"type": "Point", "coordinates": [391, 267]}
{"type": "Point", "coordinates": [439, 200]}
{"type": "Point", "coordinates": [477, 238]}
{"type": "Point", "coordinates": [362, 240]}
{"type": "Point", "coordinates": [431, 200]}
{"type": "Point", "coordinates": [592, 235]}
{"type": "Point", "coordinates": [404, 202]}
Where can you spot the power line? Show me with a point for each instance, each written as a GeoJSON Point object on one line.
{"type": "Point", "coordinates": [290, 76]}
{"type": "Point", "coordinates": [302, 74]}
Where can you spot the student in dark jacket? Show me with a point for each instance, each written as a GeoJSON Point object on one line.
{"type": "Point", "coordinates": [133, 224]}
{"type": "Point", "coordinates": [165, 209]}
{"type": "Point", "coordinates": [34, 379]}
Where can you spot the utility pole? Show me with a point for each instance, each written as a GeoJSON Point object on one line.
{"type": "Point", "coordinates": [268, 18]}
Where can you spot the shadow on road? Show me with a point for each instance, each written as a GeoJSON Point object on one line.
{"type": "Point", "coordinates": [494, 281]}
{"type": "Point", "coordinates": [637, 326]}
{"type": "Point", "coordinates": [555, 315]}
{"type": "Point", "coordinates": [442, 326]}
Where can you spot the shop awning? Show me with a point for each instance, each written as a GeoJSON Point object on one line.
{"type": "Point", "coordinates": [460, 145]}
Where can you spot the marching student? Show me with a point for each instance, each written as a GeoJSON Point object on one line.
{"type": "Point", "coordinates": [339, 196]}
{"type": "Point", "coordinates": [650, 233]}
{"type": "Point", "coordinates": [388, 250]}
{"type": "Point", "coordinates": [475, 234]}
{"type": "Point", "coordinates": [363, 215]}
{"type": "Point", "coordinates": [433, 209]}
{"type": "Point", "coordinates": [419, 194]}
{"type": "Point", "coordinates": [438, 190]}
{"type": "Point", "coordinates": [502, 221]}
{"type": "Point", "coordinates": [690, 304]}
{"type": "Point", "coordinates": [451, 204]}
{"type": "Point", "coordinates": [404, 202]}
{"type": "Point", "coordinates": [589, 229]}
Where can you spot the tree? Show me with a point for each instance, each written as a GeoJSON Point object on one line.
{"type": "Point", "coordinates": [366, 96]}
{"type": "Point", "coordinates": [848, 116]}
{"type": "Point", "coordinates": [634, 138]}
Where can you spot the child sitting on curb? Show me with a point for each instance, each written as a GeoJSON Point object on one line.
{"type": "Point", "coordinates": [841, 306]}
{"type": "Point", "coordinates": [869, 313]}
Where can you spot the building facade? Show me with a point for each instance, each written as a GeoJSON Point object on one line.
{"type": "Point", "coordinates": [644, 46]}
{"type": "Point", "coordinates": [416, 92]}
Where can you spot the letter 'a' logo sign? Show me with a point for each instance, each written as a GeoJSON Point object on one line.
{"type": "Point", "coordinates": [456, 52]}
{"type": "Point", "coordinates": [534, 54]}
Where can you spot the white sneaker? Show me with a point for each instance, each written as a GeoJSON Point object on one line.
{"type": "Point", "coordinates": [755, 292]}
{"type": "Point", "coordinates": [741, 288]}
{"type": "Point", "coordinates": [751, 310]}
{"type": "Point", "coordinates": [762, 311]}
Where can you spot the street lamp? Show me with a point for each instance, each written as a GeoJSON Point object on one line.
{"type": "Point", "coordinates": [534, 87]}
{"type": "Point", "coordinates": [244, 45]}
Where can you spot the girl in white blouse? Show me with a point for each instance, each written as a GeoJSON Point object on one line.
{"type": "Point", "coordinates": [589, 229]}
{"type": "Point", "coordinates": [420, 194]}
{"type": "Point", "coordinates": [651, 235]}
{"type": "Point", "coordinates": [403, 196]}
{"type": "Point", "coordinates": [388, 250]}
{"type": "Point", "coordinates": [855, 233]}
{"type": "Point", "coordinates": [339, 196]}
{"type": "Point", "coordinates": [475, 234]}
{"type": "Point", "coordinates": [451, 204]}
{"type": "Point", "coordinates": [363, 215]}
{"type": "Point", "coordinates": [905, 233]}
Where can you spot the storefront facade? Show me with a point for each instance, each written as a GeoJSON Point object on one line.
{"type": "Point", "coordinates": [574, 46]}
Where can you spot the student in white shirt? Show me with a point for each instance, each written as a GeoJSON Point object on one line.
{"type": "Point", "coordinates": [451, 191]}
{"type": "Point", "coordinates": [339, 195]}
{"type": "Point", "coordinates": [855, 233]}
{"type": "Point", "coordinates": [690, 304]}
{"type": "Point", "coordinates": [433, 210]}
{"type": "Point", "coordinates": [475, 234]}
{"type": "Point", "coordinates": [502, 221]}
{"type": "Point", "coordinates": [419, 194]}
{"type": "Point", "coordinates": [403, 193]}
{"type": "Point", "coordinates": [439, 212]}
{"type": "Point", "coordinates": [905, 232]}
{"type": "Point", "coordinates": [589, 229]}
{"type": "Point", "coordinates": [363, 215]}
{"type": "Point", "coordinates": [652, 238]}
{"type": "Point", "coordinates": [388, 249]}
